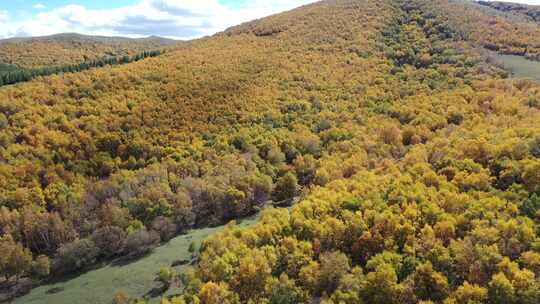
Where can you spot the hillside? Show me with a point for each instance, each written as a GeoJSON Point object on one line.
{"type": "Point", "coordinates": [69, 49]}
{"type": "Point", "coordinates": [531, 11]}
{"type": "Point", "coordinates": [414, 158]}
{"type": "Point", "coordinates": [489, 28]}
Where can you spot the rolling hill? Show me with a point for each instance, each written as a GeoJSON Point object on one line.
{"type": "Point", "coordinates": [69, 49]}
{"type": "Point", "coordinates": [531, 11]}
{"type": "Point", "coordinates": [413, 155]}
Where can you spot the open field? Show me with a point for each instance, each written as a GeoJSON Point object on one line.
{"type": "Point", "coordinates": [134, 279]}
{"type": "Point", "coordinates": [521, 67]}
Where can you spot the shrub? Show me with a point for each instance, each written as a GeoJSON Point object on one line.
{"type": "Point", "coordinates": [110, 240]}
{"type": "Point", "coordinates": [15, 260]}
{"type": "Point", "coordinates": [141, 242]}
{"type": "Point", "coordinates": [531, 206]}
{"type": "Point", "coordinates": [284, 291]}
{"type": "Point", "coordinates": [286, 187]}
{"type": "Point", "coordinates": [334, 265]}
{"type": "Point", "coordinates": [41, 266]}
{"type": "Point", "coordinates": [165, 276]}
{"type": "Point", "coordinates": [75, 256]}
{"type": "Point", "coordinates": [165, 227]}
{"type": "Point", "coordinates": [120, 298]}
{"type": "Point", "coordinates": [534, 147]}
{"type": "Point", "coordinates": [429, 284]}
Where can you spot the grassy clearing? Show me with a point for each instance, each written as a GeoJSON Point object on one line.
{"type": "Point", "coordinates": [521, 67]}
{"type": "Point", "coordinates": [134, 279]}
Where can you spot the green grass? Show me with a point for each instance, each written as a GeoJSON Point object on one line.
{"type": "Point", "coordinates": [521, 67]}
{"type": "Point", "coordinates": [134, 279]}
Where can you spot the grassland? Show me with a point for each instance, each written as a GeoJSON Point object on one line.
{"type": "Point", "coordinates": [520, 66]}
{"type": "Point", "coordinates": [136, 279]}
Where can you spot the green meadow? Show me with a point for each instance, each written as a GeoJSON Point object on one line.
{"type": "Point", "coordinates": [135, 279]}
{"type": "Point", "coordinates": [520, 66]}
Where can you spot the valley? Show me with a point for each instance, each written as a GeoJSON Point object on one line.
{"type": "Point", "coordinates": [135, 278]}
{"type": "Point", "coordinates": [412, 151]}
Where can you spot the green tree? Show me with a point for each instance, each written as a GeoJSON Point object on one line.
{"type": "Point", "coordinates": [531, 206]}
{"type": "Point", "coordinates": [468, 294]}
{"type": "Point", "coordinates": [212, 293]}
{"type": "Point", "coordinates": [501, 290]}
{"type": "Point", "coordinates": [141, 242]}
{"type": "Point", "coordinates": [534, 147]}
{"type": "Point", "coordinates": [15, 260]}
{"type": "Point", "coordinates": [286, 187]}
{"type": "Point", "coordinates": [110, 240]}
{"type": "Point", "coordinates": [284, 291]}
{"type": "Point", "coordinates": [429, 284]}
{"type": "Point", "coordinates": [381, 286]}
{"type": "Point", "coordinates": [252, 275]}
{"type": "Point", "coordinates": [166, 276]}
{"type": "Point", "coordinates": [75, 256]}
{"type": "Point", "coordinates": [334, 265]}
{"type": "Point", "coordinates": [41, 266]}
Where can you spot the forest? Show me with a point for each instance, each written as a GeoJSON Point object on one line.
{"type": "Point", "coordinates": [414, 159]}
{"type": "Point", "coordinates": [10, 74]}
{"type": "Point", "coordinates": [531, 11]}
{"type": "Point", "coordinates": [487, 27]}
{"type": "Point", "coordinates": [72, 49]}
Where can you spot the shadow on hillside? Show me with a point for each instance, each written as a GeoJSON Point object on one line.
{"type": "Point", "coordinates": [117, 262]}
{"type": "Point", "coordinates": [70, 276]}
{"type": "Point", "coordinates": [156, 292]}
{"type": "Point", "coordinates": [126, 260]}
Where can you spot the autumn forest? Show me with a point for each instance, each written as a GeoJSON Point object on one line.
{"type": "Point", "coordinates": [391, 157]}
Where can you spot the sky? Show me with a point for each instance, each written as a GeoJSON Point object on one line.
{"type": "Point", "coordinates": [179, 19]}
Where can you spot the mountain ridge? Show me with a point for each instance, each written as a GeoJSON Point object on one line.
{"type": "Point", "coordinates": [72, 48]}
{"type": "Point", "coordinates": [74, 35]}
{"type": "Point", "coordinates": [532, 11]}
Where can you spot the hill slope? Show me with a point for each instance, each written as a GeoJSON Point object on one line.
{"type": "Point", "coordinates": [531, 11]}
{"type": "Point", "coordinates": [69, 49]}
{"type": "Point", "coordinates": [417, 162]}
{"type": "Point", "coordinates": [427, 212]}
{"type": "Point", "coordinates": [489, 28]}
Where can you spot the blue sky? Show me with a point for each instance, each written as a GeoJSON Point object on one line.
{"type": "Point", "coordinates": [180, 19]}
{"type": "Point", "coordinates": [28, 5]}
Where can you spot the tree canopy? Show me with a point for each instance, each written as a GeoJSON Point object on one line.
{"type": "Point", "coordinates": [415, 160]}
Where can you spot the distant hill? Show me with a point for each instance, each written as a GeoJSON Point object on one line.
{"type": "Point", "coordinates": [71, 48]}
{"type": "Point", "coordinates": [531, 11]}
{"type": "Point", "coordinates": [488, 27]}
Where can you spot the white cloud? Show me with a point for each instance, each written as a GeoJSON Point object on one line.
{"type": "Point", "coordinates": [39, 6]}
{"type": "Point", "coordinates": [3, 16]}
{"type": "Point", "coordinates": [4, 21]}
{"type": "Point", "coordinates": [182, 19]}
